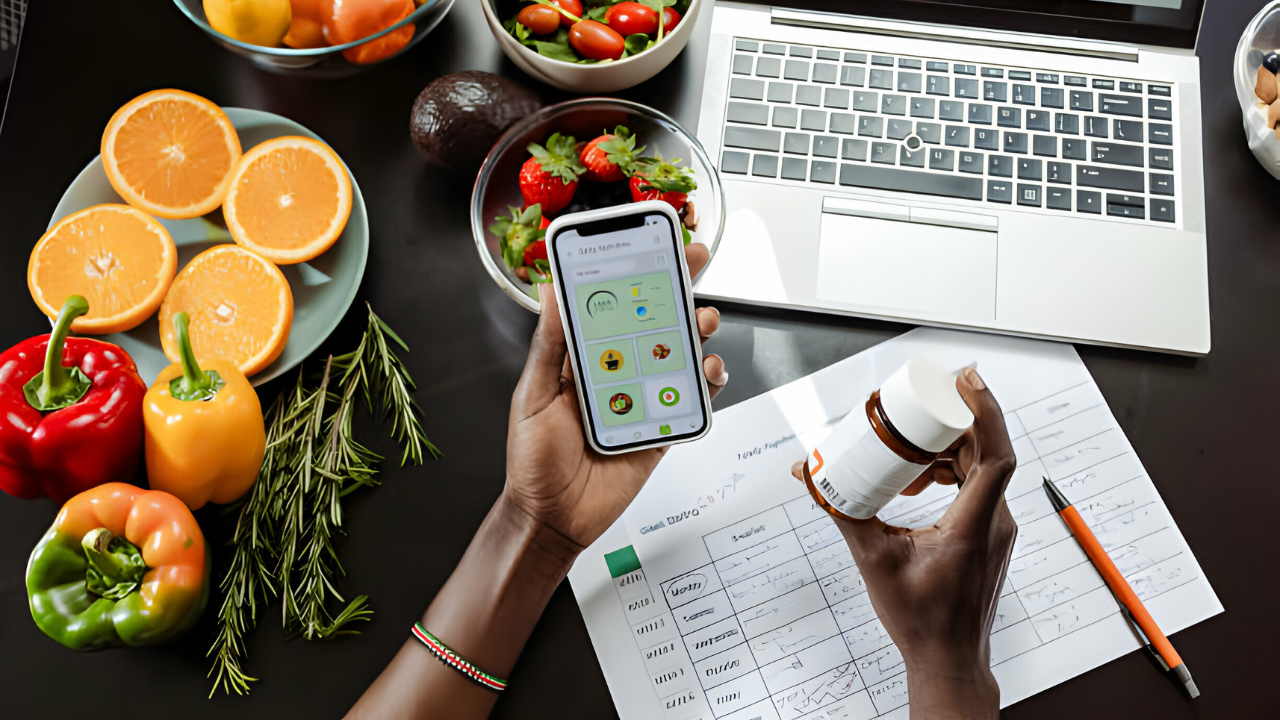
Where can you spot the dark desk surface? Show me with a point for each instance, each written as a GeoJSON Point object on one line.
{"type": "Point", "coordinates": [1200, 426]}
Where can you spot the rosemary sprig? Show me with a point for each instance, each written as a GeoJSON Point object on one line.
{"type": "Point", "coordinates": [283, 544]}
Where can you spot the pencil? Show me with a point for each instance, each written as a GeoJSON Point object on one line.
{"type": "Point", "coordinates": [1130, 604]}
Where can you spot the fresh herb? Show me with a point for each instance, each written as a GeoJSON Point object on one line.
{"type": "Point", "coordinates": [283, 543]}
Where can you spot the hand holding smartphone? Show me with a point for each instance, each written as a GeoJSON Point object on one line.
{"type": "Point", "coordinates": [626, 302]}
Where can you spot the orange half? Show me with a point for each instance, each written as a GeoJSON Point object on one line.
{"type": "Point", "coordinates": [171, 153]}
{"type": "Point", "coordinates": [289, 199]}
{"type": "Point", "coordinates": [240, 308]}
{"type": "Point", "coordinates": [119, 258]}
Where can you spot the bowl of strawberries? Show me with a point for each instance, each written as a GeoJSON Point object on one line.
{"type": "Point", "coordinates": [581, 155]}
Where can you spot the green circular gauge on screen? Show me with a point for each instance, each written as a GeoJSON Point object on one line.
{"type": "Point", "coordinates": [669, 396]}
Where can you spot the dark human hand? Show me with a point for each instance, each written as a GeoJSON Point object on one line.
{"type": "Point", "coordinates": [552, 474]}
{"type": "Point", "coordinates": [935, 588]}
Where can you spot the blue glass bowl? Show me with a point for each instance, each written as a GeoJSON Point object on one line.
{"type": "Point", "coordinates": [316, 62]}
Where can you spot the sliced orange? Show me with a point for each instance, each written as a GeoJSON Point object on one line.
{"type": "Point", "coordinates": [239, 304]}
{"type": "Point", "coordinates": [119, 258]}
{"type": "Point", "coordinates": [289, 199]}
{"type": "Point", "coordinates": [171, 153]}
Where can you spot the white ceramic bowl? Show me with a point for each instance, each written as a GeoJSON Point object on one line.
{"type": "Point", "coordinates": [1261, 36]}
{"type": "Point", "coordinates": [597, 78]}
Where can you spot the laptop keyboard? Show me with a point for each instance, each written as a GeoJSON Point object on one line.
{"type": "Point", "coordinates": [1010, 136]}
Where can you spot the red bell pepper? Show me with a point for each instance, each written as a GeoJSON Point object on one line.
{"type": "Point", "coordinates": [70, 413]}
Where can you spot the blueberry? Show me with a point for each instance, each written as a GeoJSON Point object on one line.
{"type": "Point", "coordinates": [1271, 61]}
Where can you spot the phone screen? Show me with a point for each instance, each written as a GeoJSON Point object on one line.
{"type": "Point", "coordinates": [621, 283]}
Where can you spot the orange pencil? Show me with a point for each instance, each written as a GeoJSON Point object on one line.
{"type": "Point", "coordinates": [1130, 604]}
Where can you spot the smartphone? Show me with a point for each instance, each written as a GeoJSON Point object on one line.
{"type": "Point", "coordinates": [626, 302]}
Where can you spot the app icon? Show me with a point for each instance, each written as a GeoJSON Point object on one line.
{"type": "Point", "coordinates": [668, 396]}
{"type": "Point", "coordinates": [635, 290]}
{"type": "Point", "coordinates": [620, 404]}
{"type": "Point", "coordinates": [661, 351]}
{"type": "Point", "coordinates": [664, 429]}
{"type": "Point", "coordinates": [641, 311]}
{"type": "Point", "coordinates": [611, 360]}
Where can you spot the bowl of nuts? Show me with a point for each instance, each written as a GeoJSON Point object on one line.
{"type": "Point", "coordinates": [1257, 81]}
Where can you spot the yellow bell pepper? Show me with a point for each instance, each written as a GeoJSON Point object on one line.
{"type": "Point", "coordinates": [257, 22]}
{"type": "Point", "coordinates": [205, 435]}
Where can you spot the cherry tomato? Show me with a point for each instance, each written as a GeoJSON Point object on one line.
{"type": "Point", "coordinates": [670, 19]}
{"type": "Point", "coordinates": [540, 19]}
{"type": "Point", "coordinates": [630, 18]}
{"type": "Point", "coordinates": [573, 7]}
{"type": "Point", "coordinates": [596, 41]}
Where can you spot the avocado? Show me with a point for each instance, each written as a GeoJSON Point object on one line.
{"type": "Point", "coordinates": [457, 118]}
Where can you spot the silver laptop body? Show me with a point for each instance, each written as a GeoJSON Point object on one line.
{"type": "Point", "coordinates": [946, 175]}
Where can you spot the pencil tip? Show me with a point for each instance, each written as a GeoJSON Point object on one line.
{"type": "Point", "coordinates": [1056, 497]}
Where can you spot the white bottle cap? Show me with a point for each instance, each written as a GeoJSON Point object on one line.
{"type": "Point", "coordinates": [922, 403]}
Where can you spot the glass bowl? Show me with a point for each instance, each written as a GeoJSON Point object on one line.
{"type": "Point", "coordinates": [497, 187]}
{"type": "Point", "coordinates": [1261, 36]}
{"type": "Point", "coordinates": [316, 62]}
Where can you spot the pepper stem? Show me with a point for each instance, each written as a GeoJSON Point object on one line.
{"type": "Point", "coordinates": [59, 386]}
{"type": "Point", "coordinates": [115, 565]}
{"type": "Point", "coordinates": [195, 384]}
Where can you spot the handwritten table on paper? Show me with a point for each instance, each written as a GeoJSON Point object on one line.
{"type": "Point", "coordinates": [724, 592]}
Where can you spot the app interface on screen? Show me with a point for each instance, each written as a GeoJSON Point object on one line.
{"type": "Point", "coordinates": [624, 297]}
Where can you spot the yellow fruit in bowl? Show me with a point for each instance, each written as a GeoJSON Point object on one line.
{"type": "Point", "coordinates": [256, 22]}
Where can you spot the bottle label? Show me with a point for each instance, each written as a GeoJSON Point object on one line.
{"type": "Point", "coordinates": [855, 472]}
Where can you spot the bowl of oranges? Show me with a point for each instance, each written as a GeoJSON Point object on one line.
{"type": "Point", "coordinates": [320, 38]}
{"type": "Point", "coordinates": [243, 219]}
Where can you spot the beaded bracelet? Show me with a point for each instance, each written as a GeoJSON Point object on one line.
{"type": "Point", "coordinates": [453, 660]}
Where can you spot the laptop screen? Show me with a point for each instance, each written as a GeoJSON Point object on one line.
{"type": "Point", "coordinates": [1170, 23]}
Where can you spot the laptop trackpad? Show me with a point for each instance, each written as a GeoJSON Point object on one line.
{"type": "Point", "coordinates": [908, 268]}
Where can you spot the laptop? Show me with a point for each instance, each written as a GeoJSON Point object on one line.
{"type": "Point", "coordinates": [1013, 166]}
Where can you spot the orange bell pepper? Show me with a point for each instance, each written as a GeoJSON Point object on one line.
{"type": "Point", "coordinates": [120, 566]}
{"type": "Point", "coordinates": [349, 20]}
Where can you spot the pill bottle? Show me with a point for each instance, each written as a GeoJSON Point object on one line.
{"type": "Point", "coordinates": [872, 456]}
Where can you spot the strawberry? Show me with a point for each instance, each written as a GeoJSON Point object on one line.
{"type": "Point", "coordinates": [612, 156]}
{"type": "Point", "coordinates": [658, 179]}
{"type": "Point", "coordinates": [535, 251]}
{"type": "Point", "coordinates": [525, 227]}
{"type": "Point", "coordinates": [550, 177]}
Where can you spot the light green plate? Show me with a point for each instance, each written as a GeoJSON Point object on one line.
{"type": "Point", "coordinates": [322, 289]}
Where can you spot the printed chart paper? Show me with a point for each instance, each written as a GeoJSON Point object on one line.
{"type": "Point", "coordinates": [724, 593]}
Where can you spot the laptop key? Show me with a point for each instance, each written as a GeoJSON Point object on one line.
{"type": "Point", "coordinates": [794, 168]}
{"type": "Point", "coordinates": [898, 129]}
{"type": "Point", "coordinates": [935, 66]}
{"type": "Point", "coordinates": [855, 57]}
{"type": "Point", "coordinates": [1060, 173]}
{"type": "Point", "coordinates": [1000, 166]}
{"type": "Point", "coordinates": [795, 143]}
{"type": "Point", "coordinates": [1131, 87]}
{"type": "Point", "coordinates": [1096, 126]}
{"type": "Point", "coordinates": [1067, 124]}
{"type": "Point", "coordinates": [959, 69]}
{"type": "Point", "coordinates": [1161, 210]}
{"type": "Point", "coordinates": [822, 171]}
{"type": "Point", "coordinates": [775, 49]}
{"type": "Point", "coordinates": [1049, 78]}
{"type": "Point", "coordinates": [929, 132]}
{"type": "Point", "coordinates": [836, 98]}
{"type": "Point", "coordinates": [979, 114]}
{"type": "Point", "coordinates": [1082, 100]}
{"type": "Point", "coordinates": [950, 110]}
{"type": "Point", "coordinates": [1121, 105]}
{"type": "Point", "coordinates": [1075, 80]}
{"type": "Point", "coordinates": [825, 73]}
{"type": "Point", "coordinates": [1162, 90]}
{"type": "Point", "coordinates": [884, 153]}
{"type": "Point", "coordinates": [909, 82]}
{"type": "Point", "coordinates": [1029, 169]}
{"type": "Point", "coordinates": [796, 70]}
{"type": "Point", "coordinates": [742, 64]}
{"type": "Point", "coordinates": [866, 101]}
{"type": "Point", "coordinates": [1029, 195]}
{"type": "Point", "coordinates": [1051, 97]}
{"type": "Point", "coordinates": [942, 159]}
{"type": "Point", "coordinates": [1129, 130]}
{"type": "Point", "coordinates": [984, 139]}
{"type": "Point", "coordinates": [764, 166]}
{"type": "Point", "coordinates": [1110, 178]}
{"type": "Point", "coordinates": [881, 79]}
{"type": "Point", "coordinates": [1126, 211]}
{"type": "Point", "coordinates": [1000, 191]}
{"type": "Point", "coordinates": [1024, 94]}
{"type": "Point", "coordinates": [870, 126]}
{"type": "Point", "coordinates": [843, 123]}
{"type": "Point", "coordinates": [1074, 149]}
{"type": "Point", "coordinates": [853, 150]}
{"type": "Point", "coordinates": [966, 88]}
{"type": "Point", "coordinates": [853, 76]}
{"type": "Point", "coordinates": [745, 89]}
{"type": "Point", "coordinates": [787, 117]}
{"type": "Point", "coordinates": [909, 63]}
{"type": "Point", "coordinates": [1134, 200]}
{"type": "Point", "coordinates": [1160, 184]}
{"type": "Point", "coordinates": [1160, 159]}
{"type": "Point", "coordinates": [826, 146]}
{"type": "Point", "coordinates": [828, 54]}
{"type": "Point", "coordinates": [770, 67]}
{"type": "Point", "coordinates": [1117, 154]}
{"type": "Point", "coordinates": [1057, 198]}
{"type": "Point", "coordinates": [1088, 201]}
{"type": "Point", "coordinates": [882, 60]}
{"type": "Point", "coordinates": [971, 162]}
{"type": "Point", "coordinates": [1039, 120]}
{"type": "Point", "coordinates": [750, 113]}
{"type": "Point", "coordinates": [808, 95]}
{"type": "Point", "coordinates": [1019, 75]}
{"type": "Point", "coordinates": [938, 85]}
{"type": "Point", "coordinates": [957, 136]}
{"type": "Point", "coordinates": [813, 120]}
{"type": "Point", "coordinates": [747, 45]}
{"type": "Point", "coordinates": [923, 183]}
{"type": "Point", "coordinates": [1104, 84]}
{"type": "Point", "coordinates": [1158, 109]}
{"type": "Point", "coordinates": [801, 51]}
{"type": "Point", "coordinates": [1161, 134]}
{"type": "Point", "coordinates": [1015, 143]}
{"type": "Point", "coordinates": [752, 138]}
{"type": "Point", "coordinates": [912, 158]}
{"type": "Point", "coordinates": [780, 92]}
{"type": "Point", "coordinates": [995, 91]}
{"type": "Point", "coordinates": [992, 72]}
{"type": "Point", "coordinates": [1010, 117]}
{"type": "Point", "coordinates": [1044, 146]}
{"type": "Point", "coordinates": [735, 162]}
{"type": "Point", "coordinates": [893, 104]}
{"type": "Point", "coordinates": [922, 108]}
